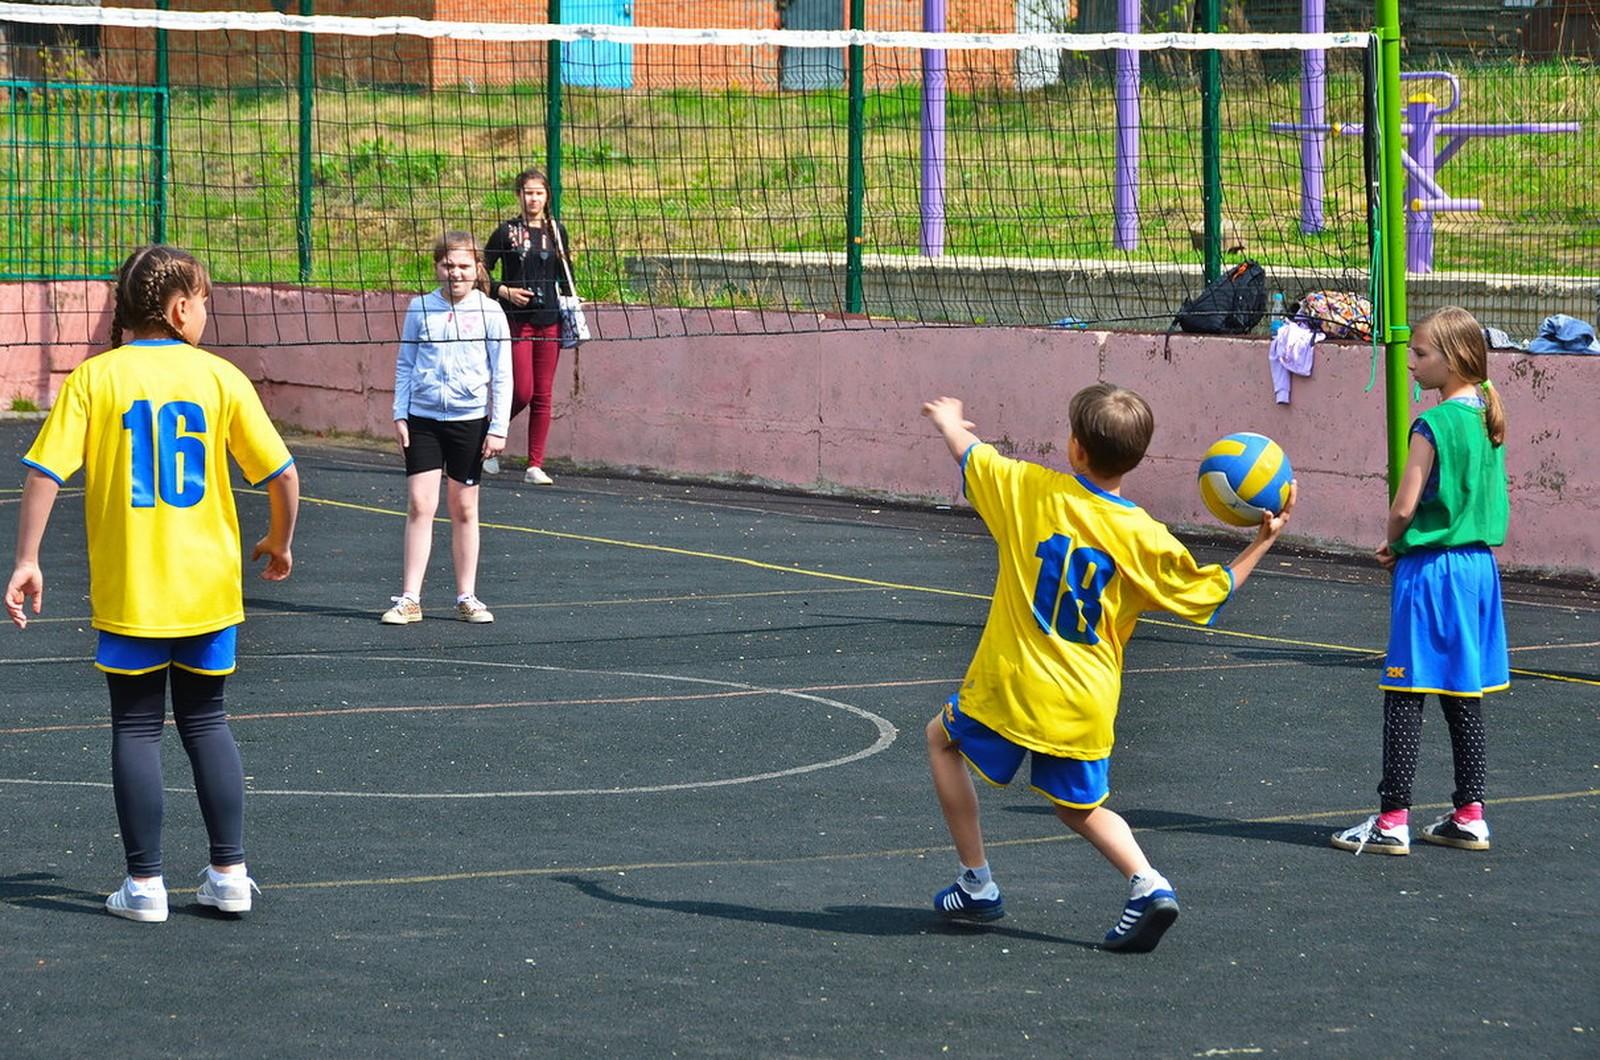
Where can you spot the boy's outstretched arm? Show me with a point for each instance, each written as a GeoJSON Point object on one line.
{"type": "Point", "coordinates": [1271, 527]}
{"type": "Point", "coordinates": [27, 581]}
{"type": "Point", "coordinates": [948, 416]}
{"type": "Point", "coordinates": [283, 494]}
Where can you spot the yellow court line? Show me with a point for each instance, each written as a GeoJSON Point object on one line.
{"type": "Point", "coordinates": [669, 550]}
{"type": "Point", "coordinates": [857, 580]}
{"type": "Point", "coordinates": [676, 598]}
{"type": "Point", "coordinates": [858, 855]}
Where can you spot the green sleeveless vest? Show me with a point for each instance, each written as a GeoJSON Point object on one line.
{"type": "Point", "coordinates": [1471, 507]}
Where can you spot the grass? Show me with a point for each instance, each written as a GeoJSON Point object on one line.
{"type": "Point", "coordinates": [677, 171]}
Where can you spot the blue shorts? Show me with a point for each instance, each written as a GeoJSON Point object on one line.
{"type": "Point", "coordinates": [1447, 630]}
{"type": "Point", "coordinates": [1070, 782]}
{"type": "Point", "coordinates": [204, 653]}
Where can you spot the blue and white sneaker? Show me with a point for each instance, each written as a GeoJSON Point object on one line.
{"type": "Point", "coordinates": [145, 903]}
{"type": "Point", "coordinates": [956, 903]}
{"type": "Point", "coordinates": [226, 894]}
{"type": "Point", "coordinates": [1144, 920]}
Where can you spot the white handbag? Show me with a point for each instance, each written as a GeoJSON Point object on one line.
{"type": "Point", "coordinates": [574, 326]}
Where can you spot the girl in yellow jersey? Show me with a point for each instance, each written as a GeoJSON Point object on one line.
{"type": "Point", "coordinates": [152, 424]}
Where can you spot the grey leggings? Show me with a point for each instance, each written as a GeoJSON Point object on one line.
{"type": "Point", "coordinates": [1402, 735]}
{"type": "Point", "coordinates": [138, 713]}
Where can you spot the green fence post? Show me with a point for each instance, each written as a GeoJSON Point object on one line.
{"type": "Point", "coordinates": [1211, 141]}
{"type": "Point", "coordinates": [308, 88]}
{"type": "Point", "coordinates": [158, 137]}
{"type": "Point", "coordinates": [552, 115]}
{"type": "Point", "coordinates": [858, 168]}
{"type": "Point", "coordinates": [1391, 193]}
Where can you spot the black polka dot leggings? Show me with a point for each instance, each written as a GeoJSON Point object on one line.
{"type": "Point", "coordinates": [1402, 735]}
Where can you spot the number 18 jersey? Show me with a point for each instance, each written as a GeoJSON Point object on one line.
{"type": "Point", "coordinates": [1077, 567]}
{"type": "Point", "coordinates": [152, 424]}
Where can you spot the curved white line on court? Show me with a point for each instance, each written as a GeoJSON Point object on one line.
{"type": "Point", "coordinates": [886, 736]}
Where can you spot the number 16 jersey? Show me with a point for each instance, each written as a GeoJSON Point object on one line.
{"type": "Point", "coordinates": [152, 424]}
{"type": "Point", "coordinates": [1077, 567]}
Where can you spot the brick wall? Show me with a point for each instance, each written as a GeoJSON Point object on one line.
{"type": "Point", "coordinates": [242, 59]}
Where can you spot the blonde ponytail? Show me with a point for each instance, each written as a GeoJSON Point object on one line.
{"type": "Point", "coordinates": [1494, 413]}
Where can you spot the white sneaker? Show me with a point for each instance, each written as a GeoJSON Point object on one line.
{"type": "Point", "coordinates": [145, 903]}
{"type": "Point", "coordinates": [1368, 835]}
{"type": "Point", "coordinates": [535, 476]}
{"type": "Point", "coordinates": [472, 610]}
{"type": "Point", "coordinates": [404, 612]}
{"type": "Point", "coordinates": [491, 466]}
{"type": "Point", "coordinates": [1448, 832]}
{"type": "Point", "coordinates": [228, 894]}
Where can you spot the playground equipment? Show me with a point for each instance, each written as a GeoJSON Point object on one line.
{"type": "Point", "coordinates": [1422, 156]}
{"type": "Point", "coordinates": [1126, 89]}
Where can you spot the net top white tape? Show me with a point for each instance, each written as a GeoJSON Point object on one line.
{"type": "Point", "coordinates": [270, 22]}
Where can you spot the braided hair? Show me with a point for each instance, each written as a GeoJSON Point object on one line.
{"type": "Point", "coordinates": [151, 277]}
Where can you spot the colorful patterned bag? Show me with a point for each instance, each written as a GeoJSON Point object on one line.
{"type": "Point", "coordinates": [1337, 314]}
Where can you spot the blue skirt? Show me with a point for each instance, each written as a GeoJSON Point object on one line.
{"type": "Point", "coordinates": [1447, 629]}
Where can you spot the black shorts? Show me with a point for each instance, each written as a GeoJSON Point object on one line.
{"type": "Point", "coordinates": [454, 445]}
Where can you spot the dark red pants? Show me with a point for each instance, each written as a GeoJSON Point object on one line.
{"type": "Point", "coordinates": [535, 349]}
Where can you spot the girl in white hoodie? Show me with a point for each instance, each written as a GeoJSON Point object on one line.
{"type": "Point", "coordinates": [452, 401]}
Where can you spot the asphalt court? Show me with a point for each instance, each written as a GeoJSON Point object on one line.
{"type": "Point", "coordinates": [674, 801]}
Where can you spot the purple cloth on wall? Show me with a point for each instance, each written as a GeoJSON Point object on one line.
{"type": "Point", "coordinates": [1291, 352]}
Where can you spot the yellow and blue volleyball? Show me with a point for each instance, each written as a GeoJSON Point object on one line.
{"type": "Point", "coordinates": [1244, 476]}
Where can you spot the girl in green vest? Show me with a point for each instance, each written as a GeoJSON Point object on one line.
{"type": "Point", "coordinates": [1446, 627]}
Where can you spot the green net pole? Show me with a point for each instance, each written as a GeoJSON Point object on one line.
{"type": "Point", "coordinates": [308, 87]}
{"type": "Point", "coordinates": [158, 137]}
{"type": "Point", "coordinates": [552, 115]}
{"type": "Point", "coordinates": [858, 169]}
{"type": "Point", "coordinates": [1211, 141]}
{"type": "Point", "coordinates": [1391, 190]}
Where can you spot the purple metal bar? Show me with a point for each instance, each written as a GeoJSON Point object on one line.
{"type": "Point", "coordinates": [1456, 128]}
{"type": "Point", "coordinates": [933, 93]}
{"type": "Point", "coordinates": [1313, 113]}
{"type": "Point", "coordinates": [1420, 146]}
{"type": "Point", "coordinates": [1125, 201]}
{"type": "Point", "coordinates": [1421, 179]}
{"type": "Point", "coordinates": [1446, 205]}
{"type": "Point", "coordinates": [1447, 128]}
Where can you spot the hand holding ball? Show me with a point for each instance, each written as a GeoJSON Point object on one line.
{"type": "Point", "coordinates": [1244, 477]}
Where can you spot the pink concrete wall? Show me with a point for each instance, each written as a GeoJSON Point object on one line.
{"type": "Point", "coordinates": [837, 409]}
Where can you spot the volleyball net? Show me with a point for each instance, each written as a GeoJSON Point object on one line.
{"type": "Point", "coordinates": [713, 181]}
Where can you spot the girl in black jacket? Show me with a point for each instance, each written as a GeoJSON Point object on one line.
{"type": "Point", "coordinates": [526, 251]}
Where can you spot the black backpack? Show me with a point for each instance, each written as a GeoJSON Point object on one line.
{"type": "Point", "coordinates": [1232, 304]}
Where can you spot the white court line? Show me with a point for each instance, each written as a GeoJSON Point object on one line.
{"type": "Point", "coordinates": [886, 736]}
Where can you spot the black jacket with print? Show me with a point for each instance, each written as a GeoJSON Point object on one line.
{"type": "Point", "coordinates": [526, 257]}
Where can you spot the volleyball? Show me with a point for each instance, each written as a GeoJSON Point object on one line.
{"type": "Point", "coordinates": [1244, 476]}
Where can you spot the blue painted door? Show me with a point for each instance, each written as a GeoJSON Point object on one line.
{"type": "Point", "coordinates": [597, 64]}
{"type": "Point", "coordinates": [800, 69]}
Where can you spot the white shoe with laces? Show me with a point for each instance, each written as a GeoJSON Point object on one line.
{"type": "Point", "coordinates": [1373, 838]}
{"type": "Point", "coordinates": [227, 894]}
{"type": "Point", "coordinates": [472, 609]}
{"type": "Point", "coordinates": [146, 903]}
{"type": "Point", "coordinates": [535, 476]}
{"type": "Point", "coordinates": [404, 612]}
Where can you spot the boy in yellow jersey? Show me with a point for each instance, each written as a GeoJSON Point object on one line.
{"type": "Point", "coordinates": [1077, 565]}
{"type": "Point", "coordinates": [152, 424]}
